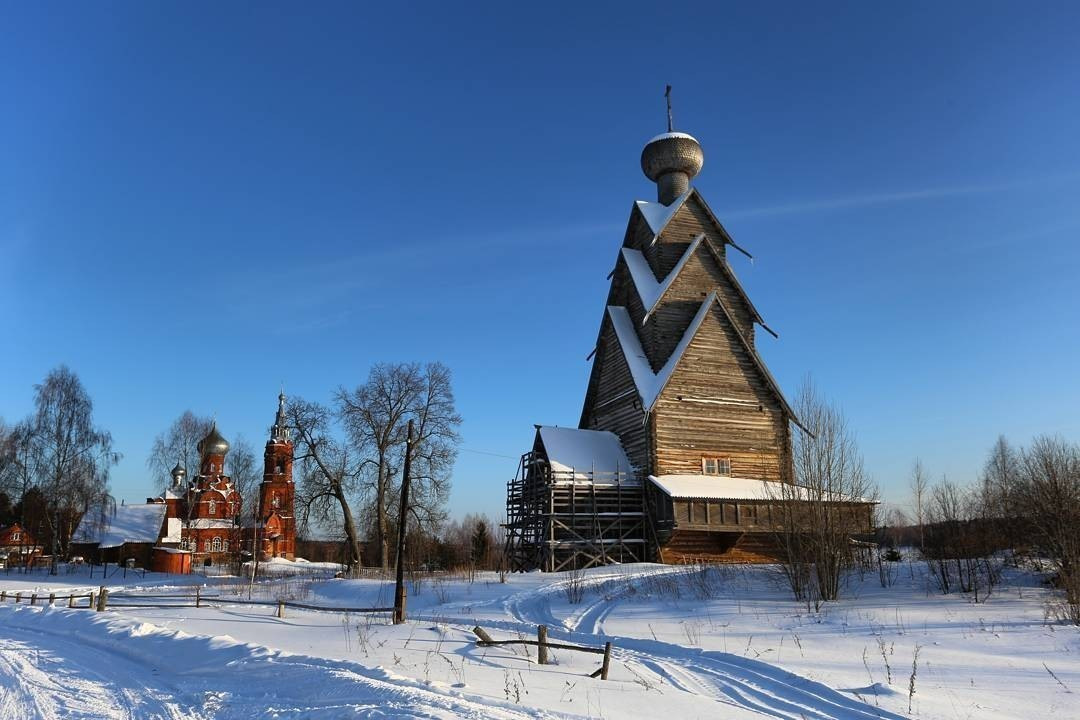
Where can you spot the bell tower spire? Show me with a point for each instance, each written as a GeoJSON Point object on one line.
{"type": "Point", "coordinates": [275, 522]}
{"type": "Point", "coordinates": [279, 432]}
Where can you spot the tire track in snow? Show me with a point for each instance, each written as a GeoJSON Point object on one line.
{"type": "Point", "coordinates": [62, 682]}
{"type": "Point", "coordinates": [750, 684]}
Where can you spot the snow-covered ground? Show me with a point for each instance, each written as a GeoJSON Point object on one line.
{"type": "Point", "coordinates": [717, 643]}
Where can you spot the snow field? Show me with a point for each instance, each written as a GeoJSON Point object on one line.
{"type": "Point", "coordinates": [716, 642]}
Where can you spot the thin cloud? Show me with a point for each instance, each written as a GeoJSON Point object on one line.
{"type": "Point", "coordinates": [863, 200]}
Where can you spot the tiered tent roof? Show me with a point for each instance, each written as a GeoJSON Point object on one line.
{"type": "Point", "coordinates": [650, 385]}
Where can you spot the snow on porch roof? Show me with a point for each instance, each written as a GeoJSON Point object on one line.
{"type": "Point", "coordinates": [139, 523]}
{"type": "Point", "coordinates": [572, 450]}
{"type": "Point", "coordinates": [715, 487]}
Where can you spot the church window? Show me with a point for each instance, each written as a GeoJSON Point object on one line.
{"type": "Point", "coordinates": [206, 545]}
{"type": "Point", "coordinates": [16, 536]}
{"type": "Point", "coordinates": [716, 466]}
{"type": "Point", "coordinates": [213, 508]}
{"type": "Point", "coordinates": [280, 467]}
{"type": "Point", "coordinates": [224, 546]}
{"type": "Point", "coordinates": [217, 544]}
{"type": "Point", "coordinates": [275, 501]}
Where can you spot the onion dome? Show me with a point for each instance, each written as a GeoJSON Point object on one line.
{"type": "Point", "coordinates": [178, 474]}
{"type": "Point", "coordinates": [671, 160]}
{"type": "Point", "coordinates": [213, 443]}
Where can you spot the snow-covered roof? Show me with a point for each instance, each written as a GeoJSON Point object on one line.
{"type": "Point", "coordinates": [667, 135]}
{"type": "Point", "coordinates": [584, 452]}
{"type": "Point", "coordinates": [714, 487]}
{"type": "Point", "coordinates": [649, 289]}
{"type": "Point", "coordinates": [138, 523]}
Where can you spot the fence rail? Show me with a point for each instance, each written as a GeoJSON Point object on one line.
{"type": "Point", "coordinates": [542, 646]}
{"type": "Point", "coordinates": [103, 600]}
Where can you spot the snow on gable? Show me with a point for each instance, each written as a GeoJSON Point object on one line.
{"type": "Point", "coordinates": [649, 289]}
{"type": "Point", "coordinates": [581, 452]}
{"type": "Point", "coordinates": [139, 523]}
{"type": "Point", "coordinates": [657, 214]}
{"type": "Point", "coordinates": [650, 384]}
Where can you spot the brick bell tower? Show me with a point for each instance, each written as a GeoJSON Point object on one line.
{"type": "Point", "coordinates": [276, 521]}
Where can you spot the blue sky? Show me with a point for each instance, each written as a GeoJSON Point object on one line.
{"type": "Point", "coordinates": [198, 203]}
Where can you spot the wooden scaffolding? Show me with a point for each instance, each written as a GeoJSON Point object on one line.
{"type": "Point", "coordinates": [561, 520]}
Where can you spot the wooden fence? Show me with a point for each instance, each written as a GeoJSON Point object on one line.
{"type": "Point", "coordinates": [543, 645]}
{"type": "Point", "coordinates": [104, 600]}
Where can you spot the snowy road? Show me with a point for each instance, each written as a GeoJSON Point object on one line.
{"type": "Point", "coordinates": [70, 664]}
{"type": "Point", "coordinates": [60, 678]}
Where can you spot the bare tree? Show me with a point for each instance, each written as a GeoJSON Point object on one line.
{"type": "Point", "coordinates": [828, 503]}
{"type": "Point", "coordinates": [7, 458]}
{"type": "Point", "coordinates": [65, 455]}
{"type": "Point", "coordinates": [246, 475]}
{"type": "Point", "coordinates": [962, 540]}
{"type": "Point", "coordinates": [1048, 495]}
{"type": "Point", "coordinates": [920, 483]}
{"type": "Point", "coordinates": [376, 415]}
{"type": "Point", "coordinates": [178, 444]}
{"type": "Point", "coordinates": [329, 474]}
{"type": "Point", "coordinates": [1000, 480]}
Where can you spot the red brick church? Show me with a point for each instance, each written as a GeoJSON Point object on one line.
{"type": "Point", "coordinates": [207, 513]}
{"type": "Point", "coordinates": [201, 522]}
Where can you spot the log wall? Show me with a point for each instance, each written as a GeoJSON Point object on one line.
{"type": "Point", "coordinates": [718, 404]}
{"type": "Point", "coordinates": [616, 404]}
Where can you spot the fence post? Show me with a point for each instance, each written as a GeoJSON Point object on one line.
{"type": "Point", "coordinates": [18, 597]}
{"type": "Point", "coordinates": [52, 599]}
{"type": "Point", "coordinates": [71, 601]}
{"type": "Point", "coordinates": [400, 596]}
{"type": "Point", "coordinates": [3, 595]}
{"type": "Point", "coordinates": [91, 605]}
{"type": "Point", "coordinates": [198, 596]}
{"type": "Point", "coordinates": [607, 661]}
{"type": "Point", "coordinates": [281, 608]}
{"type": "Point", "coordinates": [33, 599]}
{"type": "Point", "coordinates": [541, 648]}
{"type": "Point", "coordinates": [482, 634]}
{"type": "Point", "coordinates": [102, 599]}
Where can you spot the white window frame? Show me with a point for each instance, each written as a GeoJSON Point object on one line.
{"type": "Point", "coordinates": [213, 507]}
{"type": "Point", "coordinates": [716, 465]}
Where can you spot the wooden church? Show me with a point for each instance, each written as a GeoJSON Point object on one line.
{"type": "Point", "coordinates": [684, 435]}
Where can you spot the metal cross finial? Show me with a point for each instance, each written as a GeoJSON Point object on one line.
{"type": "Point", "coordinates": [667, 95]}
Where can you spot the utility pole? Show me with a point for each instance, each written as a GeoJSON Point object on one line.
{"type": "Point", "coordinates": [399, 588]}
